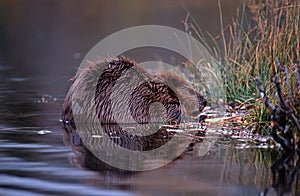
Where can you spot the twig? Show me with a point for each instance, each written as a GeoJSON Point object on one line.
{"type": "Point", "coordinates": [279, 114]}
{"type": "Point", "coordinates": [286, 106]}
{"type": "Point", "coordinates": [278, 122]}
{"type": "Point", "coordinates": [298, 76]}
{"type": "Point", "coordinates": [279, 93]}
{"type": "Point", "coordinates": [287, 79]}
{"type": "Point", "coordinates": [263, 95]}
{"type": "Point", "coordinates": [290, 92]}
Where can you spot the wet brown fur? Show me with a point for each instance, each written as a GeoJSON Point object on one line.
{"type": "Point", "coordinates": [167, 89]}
{"type": "Point", "coordinates": [99, 91]}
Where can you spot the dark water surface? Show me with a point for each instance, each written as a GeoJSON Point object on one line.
{"type": "Point", "coordinates": [41, 44]}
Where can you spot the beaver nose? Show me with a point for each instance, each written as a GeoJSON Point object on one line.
{"type": "Point", "coordinates": [204, 102]}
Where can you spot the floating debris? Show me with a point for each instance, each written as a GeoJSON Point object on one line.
{"type": "Point", "coordinates": [43, 132]}
{"type": "Point", "coordinates": [46, 99]}
{"type": "Point", "coordinates": [97, 136]}
{"type": "Point", "coordinates": [175, 130]}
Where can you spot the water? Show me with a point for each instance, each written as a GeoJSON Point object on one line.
{"type": "Point", "coordinates": [42, 42]}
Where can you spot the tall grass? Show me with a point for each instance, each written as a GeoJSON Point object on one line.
{"type": "Point", "coordinates": [263, 41]}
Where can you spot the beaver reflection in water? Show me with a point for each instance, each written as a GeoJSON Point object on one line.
{"type": "Point", "coordinates": [114, 82]}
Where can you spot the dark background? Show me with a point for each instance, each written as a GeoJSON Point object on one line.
{"type": "Point", "coordinates": [44, 41]}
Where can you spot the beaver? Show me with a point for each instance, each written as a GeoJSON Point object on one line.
{"type": "Point", "coordinates": [121, 91]}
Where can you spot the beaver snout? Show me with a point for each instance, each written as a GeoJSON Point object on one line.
{"type": "Point", "coordinates": [202, 102]}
